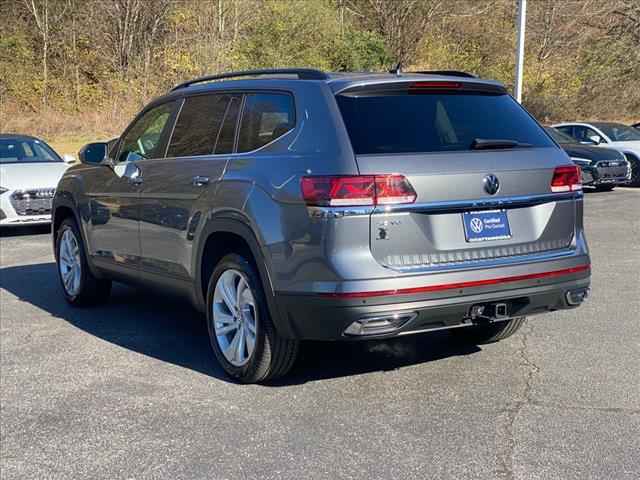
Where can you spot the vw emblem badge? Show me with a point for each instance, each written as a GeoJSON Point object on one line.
{"type": "Point", "coordinates": [491, 184]}
{"type": "Point", "coordinates": [476, 225]}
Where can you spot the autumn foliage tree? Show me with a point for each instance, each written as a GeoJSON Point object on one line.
{"type": "Point", "coordinates": [84, 67]}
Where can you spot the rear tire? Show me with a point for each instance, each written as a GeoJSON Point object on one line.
{"type": "Point", "coordinates": [265, 354]}
{"type": "Point", "coordinates": [490, 333]}
{"type": "Point", "coordinates": [79, 285]}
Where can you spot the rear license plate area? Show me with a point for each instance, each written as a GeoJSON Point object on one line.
{"type": "Point", "coordinates": [486, 225]}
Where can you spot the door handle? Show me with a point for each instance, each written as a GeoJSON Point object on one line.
{"type": "Point", "coordinates": [199, 181]}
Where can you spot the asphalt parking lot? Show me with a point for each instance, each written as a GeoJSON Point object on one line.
{"type": "Point", "coordinates": [131, 390]}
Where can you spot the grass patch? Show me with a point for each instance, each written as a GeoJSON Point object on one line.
{"type": "Point", "coordinates": [70, 145]}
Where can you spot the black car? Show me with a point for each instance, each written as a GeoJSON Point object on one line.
{"type": "Point", "coordinates": [602, 168]}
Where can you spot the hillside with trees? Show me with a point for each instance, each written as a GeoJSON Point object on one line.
{"type": "Point", "coordinates": [82, 68]}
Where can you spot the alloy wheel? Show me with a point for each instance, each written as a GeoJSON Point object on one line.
{"type": "Point", "coordinates": [69, 262]}
{"type": "Point", "coordinates": [235, 317]}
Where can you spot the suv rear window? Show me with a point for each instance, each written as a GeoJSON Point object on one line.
{"type": "Point", "coordinates": [435, 122]}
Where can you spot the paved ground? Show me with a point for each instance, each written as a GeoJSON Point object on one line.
{"type": "Point", "coordinates": [130, 390]}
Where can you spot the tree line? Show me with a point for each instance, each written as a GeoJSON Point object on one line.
{"type": "Point", "coordinates": [85, 66]}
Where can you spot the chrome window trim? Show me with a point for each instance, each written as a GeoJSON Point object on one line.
{"type": "Point", "coordinates": [455, 206]}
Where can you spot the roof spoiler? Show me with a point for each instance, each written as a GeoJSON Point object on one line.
{"type": "Point", "coordinates": [449, 73]}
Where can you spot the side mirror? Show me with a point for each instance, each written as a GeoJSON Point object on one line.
{"type": "Point", "coordinates": [68, 158]}
{"type": "Point", "coordinates": [596, 139]}
{"type": "Point", "coordinates": [94, 153]}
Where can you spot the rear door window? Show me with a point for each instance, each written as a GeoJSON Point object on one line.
{"type": "Point", "coordinates": [567, 129]}
{"type": "Point", "coordinates": [198, 125]}
{"type": "Point", "coordinates": [266, 117]}
{"type": "Point", "coordinates": [435, 122]}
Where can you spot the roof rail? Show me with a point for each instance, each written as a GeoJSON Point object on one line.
{"type": "Point", "coordinates": [450, 73]}
{"type": "Point", "coordinates": [302, 73]}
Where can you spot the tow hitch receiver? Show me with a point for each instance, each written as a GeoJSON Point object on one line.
{"type": "Point", "coordinates": [489, 312]}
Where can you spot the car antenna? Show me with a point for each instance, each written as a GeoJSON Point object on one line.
{"type": "Point", "coordinates": [397, 70]}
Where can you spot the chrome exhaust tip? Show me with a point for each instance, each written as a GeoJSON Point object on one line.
{"type": "Point", "coordinates": [380, 324]}
{"type": "Point", "coordinates": [576, 297]}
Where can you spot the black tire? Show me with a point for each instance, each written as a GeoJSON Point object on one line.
{"type": "Point", "coordinates": [604, 188]}
{"type": "Point", "coordinates": [634, 163]}
{"type": "Point", "coordinates": [92, 290]}
{"type": "Point", "coordinates": [489, 333]}
{"type": "Point", "coordinates": [273, 356]}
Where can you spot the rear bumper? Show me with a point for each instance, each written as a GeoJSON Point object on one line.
{"type": "Point", "coordinates": [327, 317]}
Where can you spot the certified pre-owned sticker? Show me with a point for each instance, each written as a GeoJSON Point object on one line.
{"type": "Point", "coordinates": [486, 225]}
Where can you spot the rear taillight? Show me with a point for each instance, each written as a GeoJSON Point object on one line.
{"type": "Point", "coordinates": [566, 179]}
{"type": "Point", "coordinates": [393, 189]}
{"type": "Point", "coordinates": [357, 190]}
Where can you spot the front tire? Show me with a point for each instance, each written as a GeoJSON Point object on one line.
{"type": "Point", "coordinates": [241, 332]}
{"type": "Point", "coordinates": [489, 333]}
{"type": "Point", "coordinates": [634, 164]}
{"type": "Point", "coordinates": [79, 285]}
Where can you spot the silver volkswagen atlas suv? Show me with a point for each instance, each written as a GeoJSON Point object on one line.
{"type": "Point", "coordinates": [294, 204]}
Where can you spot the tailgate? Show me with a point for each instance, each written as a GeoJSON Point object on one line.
{"type": "Point", "coordinates": [431, 231]}
{"type": "Point", "coordinates": [481, 169]}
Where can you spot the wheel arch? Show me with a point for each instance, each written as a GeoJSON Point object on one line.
{"type": "Point", "coordinates": [64, 208]}
{"type": "Point", "coordinates": [223, 235]}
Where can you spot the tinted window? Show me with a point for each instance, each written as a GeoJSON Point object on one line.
{"type": "Point", "coordinates": [567, 130]}
{"type": "Point", "coordinates": [618, 132]}
{"type": "Point", "coordinates": [408, 123]}
{"type": "Point", "coordinates": [144, 138]}
{"type": "Point", "coordinates": [197, 126]}
{"type": "Point", "coordinates": [584, 134]}
{"type": "Point", "coordinates": [26, 151]}
{"type": "Point", "coordinates": [266, 117]}
{"type": "Point", "coordinates": [558, 136]}
{"type": "Point", "coordinates": [227, 134]}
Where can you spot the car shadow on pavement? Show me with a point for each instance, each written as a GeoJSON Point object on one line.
{"type": "Point", "coordinates": [170, 330]}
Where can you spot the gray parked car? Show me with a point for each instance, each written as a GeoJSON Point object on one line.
{"type": "Point", "coordinates": [294, 204]}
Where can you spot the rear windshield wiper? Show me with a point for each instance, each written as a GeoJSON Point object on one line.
{"type": "Point", "coordinates": [491, 143]}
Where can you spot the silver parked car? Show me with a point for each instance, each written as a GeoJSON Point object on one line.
{"type": "Point", "coordinates": [295, 204]}
{"type": "Point", "coordinates": [29, 172]}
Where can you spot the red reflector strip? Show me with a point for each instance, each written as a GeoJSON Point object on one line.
{"type": "Point", "coordinates": [454, 286]}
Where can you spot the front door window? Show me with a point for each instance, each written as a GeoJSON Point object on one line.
{"type": "Point", "coordinates": [146, 138]}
